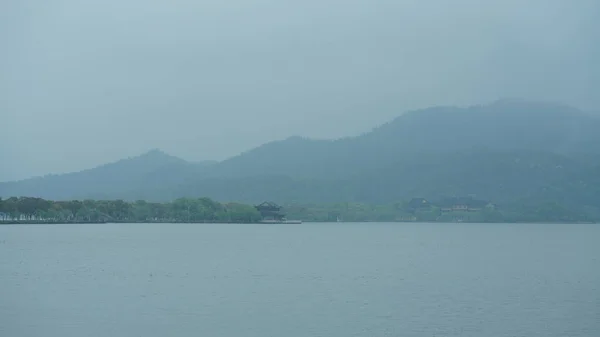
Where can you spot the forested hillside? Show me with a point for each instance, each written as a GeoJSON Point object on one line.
{"type": "Point", "coordinates": [506, 152]}
{"type": "Point", "coordinates": [154, 169]}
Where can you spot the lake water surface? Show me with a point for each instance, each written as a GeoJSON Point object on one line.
{"type": "Point", "coordinates": [334, 280]}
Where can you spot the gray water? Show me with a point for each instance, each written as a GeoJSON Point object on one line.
{"type": "Point", "coordinates": [300, 280]}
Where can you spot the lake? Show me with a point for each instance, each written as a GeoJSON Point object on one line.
{"type": "Point", "coordinates": [334, 280]}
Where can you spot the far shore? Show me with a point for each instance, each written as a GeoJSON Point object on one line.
{"type": "Point", "coordinates": [41, 222]}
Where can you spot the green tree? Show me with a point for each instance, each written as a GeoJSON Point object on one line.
{"type": "Point", "coordinates": [242, 213]}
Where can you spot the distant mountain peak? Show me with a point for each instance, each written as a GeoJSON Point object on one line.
{"type": "Point", "coordinates": [416, 141]}
{"type": "Point", "coordinates": [155, 152]}
{"type": "Point", "coordinates": [156, 155]}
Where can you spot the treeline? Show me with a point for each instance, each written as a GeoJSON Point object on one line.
{"type": "Point", "coordinates": [516, 212]}
{"type": "Point", "coordinates": [192, 210]}
{"type": "Point", "coordinates": [32, 210]}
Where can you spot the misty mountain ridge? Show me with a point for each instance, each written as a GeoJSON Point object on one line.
{"type": "Point", "coordinates": [153, 168]}
{"type": "Point", "coordinates": [206, 81]}
{"type": "Point", "coordinates": [504, 125]}
{"type": "Point", "coordinates": [442, 141]}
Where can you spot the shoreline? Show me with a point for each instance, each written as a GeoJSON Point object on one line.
{"type": "Point", "coordinates": [3, 222]}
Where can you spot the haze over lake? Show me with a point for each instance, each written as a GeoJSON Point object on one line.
{"type": "Point", "coordinates": [300, 280]}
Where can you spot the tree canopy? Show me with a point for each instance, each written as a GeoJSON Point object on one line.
{"type": "Point", "coordinates": [30, 209]}
{"type": "Point", "coordinates": [194, 210]}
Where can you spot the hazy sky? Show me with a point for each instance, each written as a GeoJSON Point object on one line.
{"type": "Point", "coordinates": [84, 82]}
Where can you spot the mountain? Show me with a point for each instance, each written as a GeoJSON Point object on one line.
{"type": "Point", "coordinates": [507, 150]}
{"type": "Point", "coordinates": [153, 169]}
{"type": "Point", "coordinates": [505, 125]}
{"type": "Point", "coordinates": [503, 177]}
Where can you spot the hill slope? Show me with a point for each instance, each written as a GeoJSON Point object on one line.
{"type": "Point", "coordinates": [154, 169]}
{"type": "Point", "coordinates": [503, 177]}
{"type": "Point", "coordinates": [501, 151]}
{"type": "Point", "coordinates": [501, 126]}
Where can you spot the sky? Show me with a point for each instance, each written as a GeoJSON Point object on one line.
{"type": "Point", "coordinates": [85, 82]}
